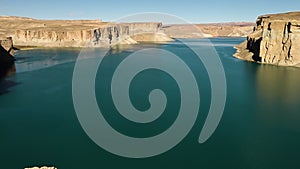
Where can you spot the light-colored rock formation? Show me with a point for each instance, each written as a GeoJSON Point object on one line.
{"type": "Point", "coordinates": [275, 40]}
{"type": "Point", "coordinates": [151, 37]}
{"type": "Point", "coordinates": [78, 33]}
{"type": "Point", "coordinates": [102, 36]}
{"type": "Point", "coordinates": [238, 29]}
{"type": "Point", "coordinates": [44, 167]}
{"type": "Point", "coordinates": [147, 32]}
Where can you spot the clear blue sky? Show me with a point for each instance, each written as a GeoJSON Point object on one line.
{"type": "Point", "coordinates": [195, 11]}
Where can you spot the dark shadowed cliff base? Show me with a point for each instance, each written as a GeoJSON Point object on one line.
{"type": "Point", "coordinates": [6, 57]}
{"type": "Point", "coordinates": [275, 40]}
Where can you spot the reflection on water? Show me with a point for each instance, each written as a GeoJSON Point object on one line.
{"type": "Point", "coordinates": [217, 42]}
{"type": "Point", "coordinates": [278, 84]}
{"type": "Point", "coordinates": [29, 61]}
{"type": "Point", "coordinates": [5, 85]}
{"type": "Point", "coordinates": [278, 95]}
{"type": "Point", "coordinates": [260, 127]}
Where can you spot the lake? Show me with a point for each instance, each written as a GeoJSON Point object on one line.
{"type": "Point", "coordinates": [260, 126]}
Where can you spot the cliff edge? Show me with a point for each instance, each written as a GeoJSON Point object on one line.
{"type": "Point", "coordinates": [275, 40]}
{"type": "Point", "coordinates": [78, 33]}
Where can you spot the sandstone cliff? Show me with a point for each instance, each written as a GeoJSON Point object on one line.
{"type": "Point", "coordinates": [275, 40]}
{"type": "Point", "coordinates": [95, 33]}
{"type": "Point", "coordinates": [78, 33]}
{"type": "Point", "coordinates": [64, 37]}
{"type": "Point", "coordinates": [6, 57]}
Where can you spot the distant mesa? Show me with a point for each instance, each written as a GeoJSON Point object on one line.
{"type": "Point", "coordinates": [274, 40]}
{"type": "Point", "coordinates": [231, 29]}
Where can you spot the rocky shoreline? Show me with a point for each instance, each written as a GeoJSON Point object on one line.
{"type": "Point", "coordinates": [274, 40]}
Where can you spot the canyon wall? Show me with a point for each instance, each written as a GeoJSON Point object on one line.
{"type": "Point", "coordinates": [275, 40]}
{"type": "Point", "coordinates": [68, 37]}
{"type": "Point", "coordinates": [147, 32]}
{"type": "Point", "coordinates": [104, 35]}
{"type": "Point", "coordinates": [78, 33]}
{"type": "Point", "coordinates": [96, 33]}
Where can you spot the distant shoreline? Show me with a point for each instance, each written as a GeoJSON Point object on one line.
{"type": "Point", "coordinates": [29, 33]}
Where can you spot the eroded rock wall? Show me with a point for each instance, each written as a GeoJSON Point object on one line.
{"type": "Point", "coordinates": [275, 40]}
{"type": "Point", "coordinates": [67, 38]}
{"type": "Point", "coordinates": [105, 35]}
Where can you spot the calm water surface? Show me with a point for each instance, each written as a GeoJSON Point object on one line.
{"type": "Point", "coordinates": [260, 127]}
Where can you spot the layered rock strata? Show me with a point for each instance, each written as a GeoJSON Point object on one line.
{"type": "Point", "coordinates": [275, 40]}
{"type": "Point", "coordinates": [78, 33]}
{"type": "Point", "coordinates": [104, 35]}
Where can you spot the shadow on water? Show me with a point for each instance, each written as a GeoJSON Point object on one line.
{"type": "Point", "coordinates": [5, 85]}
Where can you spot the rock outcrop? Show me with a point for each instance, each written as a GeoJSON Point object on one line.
{"type": "Point", "coordinates": [6, 57]}
{"type": "Point", "coordinates": [275, 40]}
{"type": "Point", "coordinates": [103, 36]}
{"type": "Point", "coordinates": [78, 33]}
{"type": "Point", "coordinates": [147, 32]}
{"type": "Point", "coordinates": [47, 37]}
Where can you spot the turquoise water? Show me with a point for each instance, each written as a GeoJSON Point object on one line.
{"type": "Point", "coordinates": [260, 127]}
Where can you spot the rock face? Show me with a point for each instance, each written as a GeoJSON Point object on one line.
{"type": "Point", "coordinates": [102, 36]}
{"type": "Point", "coordinates": [275, 40]}
{"type": "Point", "coordinates": [6, 57]}
{"type": "Point", "coordinates": [78, 33]}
